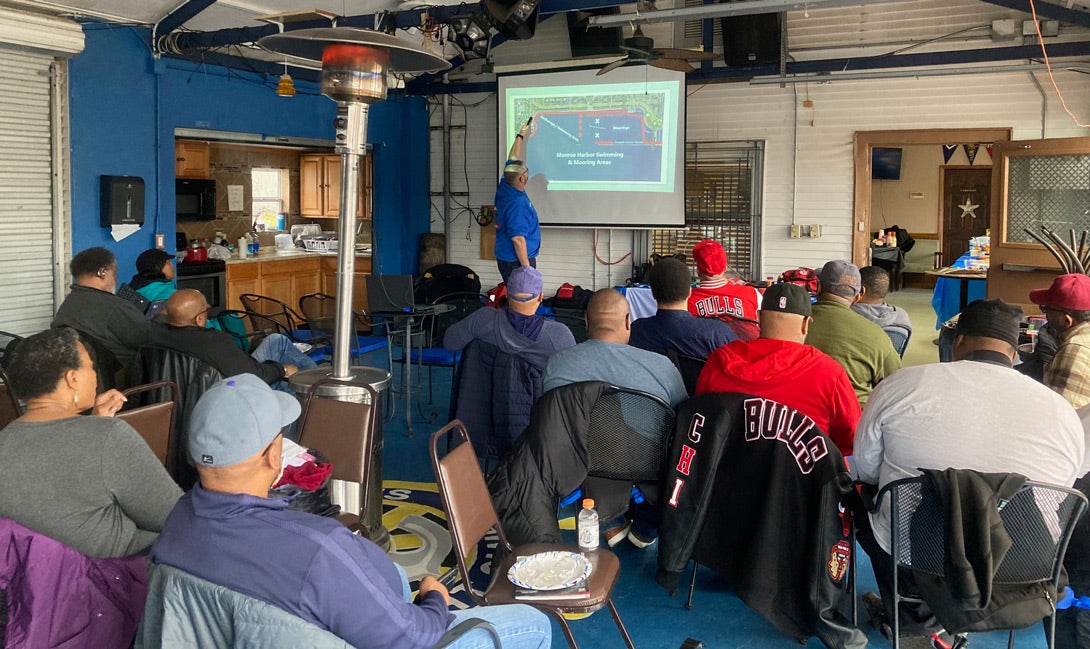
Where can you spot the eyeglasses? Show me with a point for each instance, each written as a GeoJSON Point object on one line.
{"type": "Point", "coordinates": [1055, 309]}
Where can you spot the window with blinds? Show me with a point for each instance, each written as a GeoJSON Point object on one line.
{"type": "Point", "coordinates": [722, 202]}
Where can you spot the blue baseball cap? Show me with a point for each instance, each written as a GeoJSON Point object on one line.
{"type": "Point", "coordinates": [524, 284]}
{"type": "Point", "coordinates": [236, 419]}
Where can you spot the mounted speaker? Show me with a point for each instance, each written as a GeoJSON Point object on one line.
{"type": "Point", "coordinates": [751, 40]}
{"type": "Point", "coordinates": [593, 41]}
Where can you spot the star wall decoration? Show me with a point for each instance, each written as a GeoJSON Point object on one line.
{"type": "Point", "coordinates": [968, 208]}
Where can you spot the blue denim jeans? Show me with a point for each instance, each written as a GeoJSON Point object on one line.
{"type": "Point", "coordinates": [279, 348]}
{"type": "Point", "coordinates": [518, 625]}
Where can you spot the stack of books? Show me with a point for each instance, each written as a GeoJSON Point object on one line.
{"type": "Point", "coordinates": [575, 591]}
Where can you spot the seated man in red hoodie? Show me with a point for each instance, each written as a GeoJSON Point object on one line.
{"type": "Point", "coordinates": [780, 366]}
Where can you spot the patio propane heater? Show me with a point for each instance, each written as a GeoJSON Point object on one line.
{"type": "Point", "coordinates": [354, 66]}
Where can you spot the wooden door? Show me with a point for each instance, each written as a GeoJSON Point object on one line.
{"type": "Point", "coordinates": [310, 185]}
{"type": "Point", "coordinates": [966, 208]}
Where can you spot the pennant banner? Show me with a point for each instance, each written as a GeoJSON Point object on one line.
{"type": "Point", "coordinates": [971, 151]}
{"type": "Point", "coordinates": [988, 148]}
{"type": "Point", "coordinates": [948, 152]}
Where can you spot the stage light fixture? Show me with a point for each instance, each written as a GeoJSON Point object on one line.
{"type": "Point", "coordinates": [514, 18]}
{"type": "Point", "coordinates": [472, 33]}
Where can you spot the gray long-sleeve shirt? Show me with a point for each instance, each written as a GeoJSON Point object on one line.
{"type": "Point", "coordinates": [88, 482]}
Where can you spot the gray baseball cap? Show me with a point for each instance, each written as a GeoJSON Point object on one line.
{"type": "Point", "coordinates": [840, 277]}
{"type": "Point", "coordinates": [236, 419]}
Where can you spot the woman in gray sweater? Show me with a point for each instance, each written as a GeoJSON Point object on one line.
{"type": "Point", "coordinates": [89, 482]}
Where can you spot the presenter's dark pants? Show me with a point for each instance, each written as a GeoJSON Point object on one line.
{"type": "Point", "coordinates": [507, 266]}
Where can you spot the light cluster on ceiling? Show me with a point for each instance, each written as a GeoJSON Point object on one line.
{"type": "Point", "coordinates": [472, 32]}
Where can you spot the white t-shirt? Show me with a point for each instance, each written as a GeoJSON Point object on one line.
{"type": "Point", "coordinates": [965, 415]}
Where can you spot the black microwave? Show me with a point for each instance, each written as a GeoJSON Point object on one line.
{"type": "Point", "coordinates": [194, 200]}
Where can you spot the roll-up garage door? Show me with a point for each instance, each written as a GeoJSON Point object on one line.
{"type": "Point", "coordinates": [34, 186]}
{"type": "Point", "coordinates": [26, 192]}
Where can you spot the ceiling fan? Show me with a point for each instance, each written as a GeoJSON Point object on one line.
{"type": "Point", "coordinates": [641, 49]}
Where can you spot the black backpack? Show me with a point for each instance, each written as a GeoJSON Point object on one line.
{"type": "Point", "coordinates": [445, 279]}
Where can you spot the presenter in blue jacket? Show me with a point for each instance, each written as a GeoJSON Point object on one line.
{"type": "Point", "coordinates": [518, 233]}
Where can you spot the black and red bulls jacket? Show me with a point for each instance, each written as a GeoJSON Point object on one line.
{"type": "Point", "coordinates": [753, 491]}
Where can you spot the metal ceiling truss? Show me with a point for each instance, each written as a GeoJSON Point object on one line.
{"type": "Point", "coordinates": [198, 46]}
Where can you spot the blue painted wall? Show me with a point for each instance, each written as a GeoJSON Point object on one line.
{"type": "Point", "coordinates": [125, 106]}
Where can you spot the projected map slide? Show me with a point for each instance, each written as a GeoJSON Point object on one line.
{"type": "Point", "coordinates": [607, 137]}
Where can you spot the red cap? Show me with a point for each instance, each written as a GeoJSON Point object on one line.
{"type": "Point", "coordinates": [710, 257]}
{"type": "Point", "coordinates": [1071, 292]}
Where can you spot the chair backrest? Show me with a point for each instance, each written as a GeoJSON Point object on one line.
{"type": "Point", "coordinates": [272, 309]}
{"type": "Point", "coordinates": [342, 430]}
{"type": "Point", "coordinates": [1039, 520]}
{"type": "Point", "coordinates": [629, 435]}
{"type": "Point", "coordinates": [155, 308]}
{"type": "Point", "coordinates": [237, 324]}
{"type": "Point", "coordinates": [106, 365]}
{"type": "Point", "coordinates": [899, 336]}
{"type": "Point", "coordinates": [185, 610]}
{"type": "Point", "coordinates": [575, 322]}
{"type": "Point", "coordinates": [320, 311]}
{"type": "Point", "coordinates": [10, 410]}
{"type": "Point", "coordinates": [690, 367]}
{"type": "Point", "coordinates": [464, 303]}
{"type": "Point", "coordinates": [493, 396]}
{"type": "Point", "coordinates": [8, 342]}
{"type": "Point", "coordinates": [154, 421]}
{"type": "Point", "coordinates": [465, 497]}
{"type": "Point", "coordinates": [192, 377]}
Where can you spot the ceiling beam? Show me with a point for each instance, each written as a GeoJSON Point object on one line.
{"type": "Point", "coordinates": [180, 16]}
{"type": "Point", "coordinates": [718, 10]}
{"type": "Point", "coordinates": [1047, 10]}
{"type": "Point", "coordinates": [894, 61]}
{"type": "Point", "coordinates": [403, 20]}
{"type": "Point", "coordinates": [832, 66]}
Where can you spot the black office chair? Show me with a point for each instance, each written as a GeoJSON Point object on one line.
{"type": "Point", "coordinates": [1039, 519]}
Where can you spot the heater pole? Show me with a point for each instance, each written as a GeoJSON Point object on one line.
{"type": "Point", "coordinates": [352, 122]}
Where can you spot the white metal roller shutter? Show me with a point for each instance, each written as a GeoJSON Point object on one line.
{"type": "Point", "coordinates": [26, 192]}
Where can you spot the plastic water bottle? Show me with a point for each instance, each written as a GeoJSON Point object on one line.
{"type": "Point", "coordinates": [586, 525]}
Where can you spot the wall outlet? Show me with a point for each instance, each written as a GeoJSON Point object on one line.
{"type": "Point", "coordinates": [815, 231]}
{"type": "Point", "coordinates": [796, 231]}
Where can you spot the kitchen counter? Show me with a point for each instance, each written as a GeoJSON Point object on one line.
{"type": "Point", "coordinates": [278, 255]}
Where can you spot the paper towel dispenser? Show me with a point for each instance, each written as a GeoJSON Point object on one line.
{"type": "Point", "coordinates": [122, 200]}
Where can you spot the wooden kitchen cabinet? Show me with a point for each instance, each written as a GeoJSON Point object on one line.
{"type": "Point", "coordinates": [359, 281]}
{"type": "Point", "coordinates": [286, 280]}
{"type": "Point", "coordinates": [191, 159]}
{"type": "Point", "coordinates": [320, 186]}
{"type": "Point", "coordinates": [241, 278]}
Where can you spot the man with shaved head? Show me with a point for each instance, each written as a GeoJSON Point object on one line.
{"type": "Point", "coordinates": [780, 366]}
{"type": "Point", "coordinates": [274, 360]}
{"type": "Point", "coordinates": [606, 355]}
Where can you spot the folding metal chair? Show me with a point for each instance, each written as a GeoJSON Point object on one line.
{"type": "Point", "coordinates": [470, 516]}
